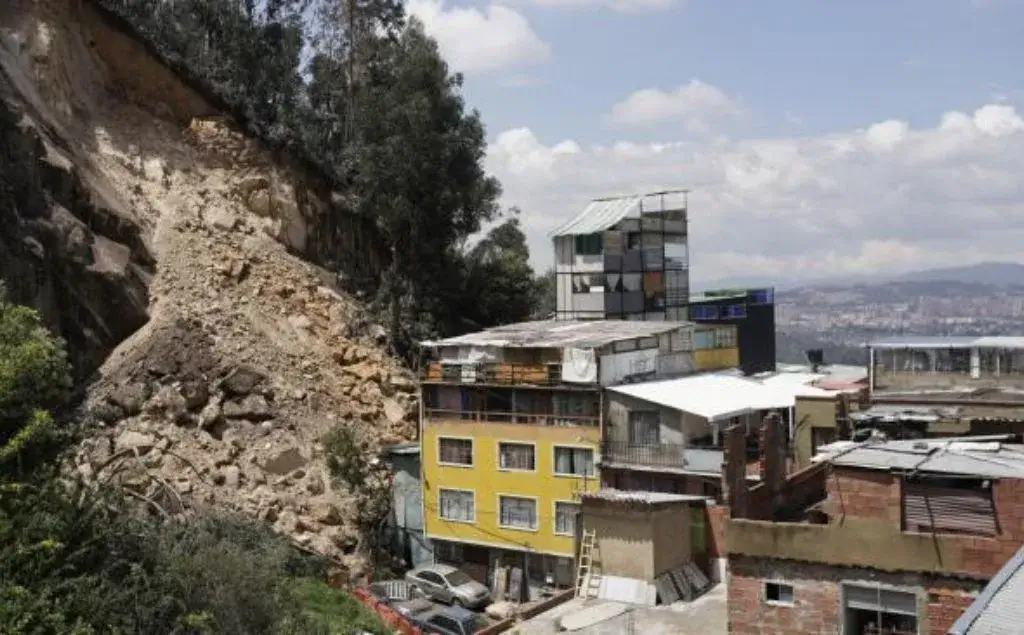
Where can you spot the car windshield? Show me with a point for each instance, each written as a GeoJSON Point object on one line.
{"type": "Point", "coordinates": [458, 578]}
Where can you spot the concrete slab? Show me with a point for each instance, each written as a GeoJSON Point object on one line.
{"type": "Point", "coordinates": [591, 615]}
{"type": "Point", "coordinates": [707, 615]}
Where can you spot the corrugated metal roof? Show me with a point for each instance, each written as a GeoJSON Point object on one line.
{"type": "Point", "coordinates": [560, 334]}
{"type": "Point", "coordinates": [598, 216]}
{"type": "Point", "coordinates": [630, 496]}
{"type": "Point", "coordinates": [985, 457]}
{"type": "Point", "coordinates": [998, 610]}
{"type": "Point", "coordinates": [952, 341]}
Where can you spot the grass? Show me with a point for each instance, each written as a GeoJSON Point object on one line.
{"type": "Point", "coordinates": [335, 611]}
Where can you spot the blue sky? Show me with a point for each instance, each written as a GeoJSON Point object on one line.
{"type": "Point", "coordinates": [816, 135]}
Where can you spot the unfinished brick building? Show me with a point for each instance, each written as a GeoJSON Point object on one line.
{"type": "Point", "coordinates": [881, 537]}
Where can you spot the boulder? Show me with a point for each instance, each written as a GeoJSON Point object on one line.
{"type": "Point", "coordinates": [195, 393]}
{"type": "Point", "coordinates": [232, 476]}
{"type": "Point", "coordinates": [242, 380]}
{"type": "Point", "coordinates": [131, 440]}
{"type": "Point", "coordinates": [285, 462]}
{"type": "Point", "coordinates": [300, 322]}
{"type": "Point", "coordinates": [394, 412]}
{"type": "Point", "coordinates": [326, 514]}
{"type": "Point", "coordinates": [130, 397]}
{"type": "Point", "coordinates": [220, 218]}
{"type": "Point", "coordinates": [253, 408]}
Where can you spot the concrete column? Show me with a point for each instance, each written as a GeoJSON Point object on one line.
{"type": "Point", "coordinates": [734, 472]}
{"type": "Point", "coordinates": [975, 363]}
{"type": "Point", "coordinates": [871, 371]}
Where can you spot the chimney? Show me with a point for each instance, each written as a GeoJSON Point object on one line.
{"type": "Point", "coordinates": [734, 472]}
{"type": "Point", "coordinates": [772, 455]}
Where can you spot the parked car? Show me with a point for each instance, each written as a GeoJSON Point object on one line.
{"type": "Point", "coordinates": [451, 620]}
{"type": "Point", "coordinates": [447, 584]}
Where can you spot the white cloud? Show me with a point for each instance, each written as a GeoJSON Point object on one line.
{"type": "Point", "coordinates": [886, 197]}
{"type": "Point", "coordinates": [474, 40]}
{"type": "Point", "coordinates": [622, 6]}
{"type": "Point", "coordinates": [697, 105]}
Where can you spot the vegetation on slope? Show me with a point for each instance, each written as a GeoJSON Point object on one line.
{"type": "Point", "coordinates": [82, 561]}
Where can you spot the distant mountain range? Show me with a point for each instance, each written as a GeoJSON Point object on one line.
{"type": "Point", "coordinates": [999, 274]}
{"type": "Point", "coordinates": [840, 315]}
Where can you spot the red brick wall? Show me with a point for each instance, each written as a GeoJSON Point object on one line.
{"type": "Point", "coordinates": [868, 494]}
{"type": "Point", "coordinates": [817, 593]}
{"type": "Point", "coordinates": [945, 605]}
{"type": "Point", "coordinates": [815, 609]}
{"type": "Point", "coordinates": [715, 520]}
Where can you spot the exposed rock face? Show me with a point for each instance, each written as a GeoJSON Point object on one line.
{"type": "Point", "coordinates": [164, 245]}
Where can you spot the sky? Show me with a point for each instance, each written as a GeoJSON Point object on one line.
{"type": "Point", "coordinates": [818, 138]}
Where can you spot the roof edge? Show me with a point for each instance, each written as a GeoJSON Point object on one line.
{"type": "Point", "coordinates": [970, 616]}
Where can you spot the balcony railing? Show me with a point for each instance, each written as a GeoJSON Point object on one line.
{"type": "Point", "coordinates": [541, 419]}
{"type": "Point", "coordinates": [660, 455]}
{"type": "Point", "coordinates": [509, 374]}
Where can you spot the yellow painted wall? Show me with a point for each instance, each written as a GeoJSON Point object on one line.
{"type": "Point", "coordinates": [716, 358]}
{"type": "Point", "coordinates": [487, 482]}
{"type": "Point", "coordinates": [810, 413]}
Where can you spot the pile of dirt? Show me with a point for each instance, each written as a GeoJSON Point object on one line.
{"type": "Point", "coordinates": [249, 354]}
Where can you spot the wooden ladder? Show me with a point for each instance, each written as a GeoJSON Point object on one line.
{"type": "Point", "coordinates": [586, 574]}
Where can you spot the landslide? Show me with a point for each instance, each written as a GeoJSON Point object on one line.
{"type": "Point", "coordinates": [173, 253]}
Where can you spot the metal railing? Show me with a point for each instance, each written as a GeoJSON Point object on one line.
{"type": "Point", "coordinates": [510, 374]}
{"type": "Point", "coordinates": [660, 455]}
{"type": "Point", "coordinates": [541, 419]}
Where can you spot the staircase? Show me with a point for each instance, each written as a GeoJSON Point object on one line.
{"type": "Point", "coordinates": [588, 576]}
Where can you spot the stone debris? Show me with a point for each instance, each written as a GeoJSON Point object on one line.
{"type": "Point", "coordinates": [249, 356]}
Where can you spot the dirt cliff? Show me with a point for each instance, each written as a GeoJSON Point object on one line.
{"type": "Point", "coordinates": [176, 256]}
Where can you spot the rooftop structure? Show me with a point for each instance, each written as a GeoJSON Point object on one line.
{"type": "Point", "coordinates": [752, 312]}
{"type": "Point", "coordinates": [559, 334]}
{"type": "Point", "coordinates": [624, 258]}
{"type": "Point", "coordinates": [998, 610]}
{"type": "Point", "coordinates": [984, 371]}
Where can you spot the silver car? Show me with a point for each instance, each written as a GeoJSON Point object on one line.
{"type": "Point", "coordinates": [447, 584]}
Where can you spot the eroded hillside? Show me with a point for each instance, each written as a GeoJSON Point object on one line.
{"type": "Point", "coordinates": [168, 249]}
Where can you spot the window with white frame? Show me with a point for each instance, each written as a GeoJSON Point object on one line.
{"type": "Point", "coordinates": [455, 451]}
{"type": "Point", "coordinates": [516, 456]}
{"type": "Point", "coordinates": [517, 513]}
{"type": "Point", "coordinates": [565, 517]}
{"type": "Point", "coordinates": [574, 461]}
{"type": "Point", "coordinates": [457, 505]}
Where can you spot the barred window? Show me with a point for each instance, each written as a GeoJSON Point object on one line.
{"type": "Point", "coordinates": [455, 451]}
{"type": "Point", "coordinates": [565, 517]}
{"type": "Point", "coordinates": [518, 513]}
{"type": "Point", "coordinates": [516, 456]}
{"type": "Point", "coordinates": [457, 505]}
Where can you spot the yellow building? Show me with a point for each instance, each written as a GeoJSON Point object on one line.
{"type": "Point", "coordinates": [511, 435]}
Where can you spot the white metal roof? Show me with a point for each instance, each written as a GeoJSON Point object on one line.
{"type": "Point", "coordinates": [711, 396]}
{"type": "Point", "coordinates": [598, 216]}
{"type": "Point", "coordinates": [560, 333]}
{"type": "Point", "coordinates": [953, 341]}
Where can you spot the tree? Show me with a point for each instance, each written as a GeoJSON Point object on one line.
{"type": "Point", "coordinates": [419, 173]}
{"type": "Point", "coordinates": [34, 375]}
{"type": "Point", "coordinates": [499, 284]}
{"type": "Point", "coordinates": [547, 292]}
